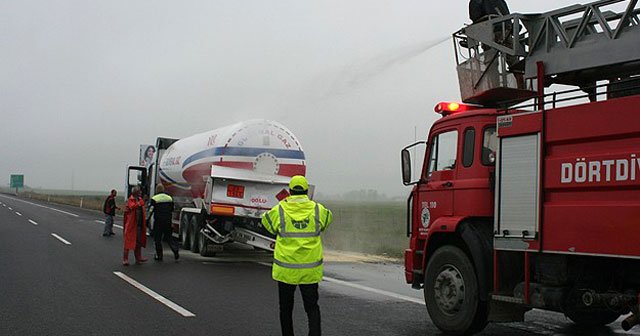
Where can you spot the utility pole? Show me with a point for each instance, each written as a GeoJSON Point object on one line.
{"type": "Point", "coordinates": [415, 139]}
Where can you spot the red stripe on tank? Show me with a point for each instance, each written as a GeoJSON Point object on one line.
{"type": "Point", "coordinates": [235, 164]}
{"type": "Point", "coordinates": [193, 175]}
{"type": "Point", "coordinates": [292, 169]}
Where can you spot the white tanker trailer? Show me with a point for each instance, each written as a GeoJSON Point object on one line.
{"type": "Point", "coordinates": [223, 180]}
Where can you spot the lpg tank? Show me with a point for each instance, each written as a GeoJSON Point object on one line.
{"type": "Point", "coordinates": [264, 146]}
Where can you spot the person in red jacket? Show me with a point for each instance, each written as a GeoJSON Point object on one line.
{"type": "Point", "coordinates": [135, 227]}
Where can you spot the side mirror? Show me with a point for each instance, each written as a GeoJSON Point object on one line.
{"type": "Point", "coordinates": [136, 177]}
{"type": "Point", "coordinates": [406, 158]}
{"type": "Point", "coordinates": [406, 166]}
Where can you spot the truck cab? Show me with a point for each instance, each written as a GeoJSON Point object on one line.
{"type": "Point", "coordinates": [452, 200]}
{"type": "Point", "coordinates": [456, 177]}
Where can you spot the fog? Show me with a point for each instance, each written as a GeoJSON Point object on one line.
{"type": "Point", "coordinates": [84, 83]}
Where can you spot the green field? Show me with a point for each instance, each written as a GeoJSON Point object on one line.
{"type": "Point", "coordinates": [366, 227]}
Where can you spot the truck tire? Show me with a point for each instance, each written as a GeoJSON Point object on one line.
{"type": "Point", "coordinates": [194, 235]}
{"type": "Point", "coordinates": [592, 318]}
{"type": "Point", "coordinates": [451, 293]}
{"type": "Point", "coordinates": [185, 223]}
{"type": "Point", "coordinates": [206, 249]}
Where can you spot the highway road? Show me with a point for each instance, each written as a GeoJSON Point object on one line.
{"type": "Point", "coordinates": [59, 276]}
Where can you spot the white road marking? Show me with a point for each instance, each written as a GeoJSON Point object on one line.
{"type": "Point", "coordinates": [374, 290]}
{"type": "Point", "coordinates": [33, 222]}
{"type": "Point", "coordinates": [42, 206]}
{"type": "Point", "coordinates": [61, 239]}
{"type": "Point", "coordinates": [155, 295]}
{"type": "Point", "coordinates": [114, 225]}
{"type": "Point", "coordinates": [19, 214]}
{"type": "Point", "coordinates": [365, 288]}
{"type": "Point", "coordinates": [10, 208]}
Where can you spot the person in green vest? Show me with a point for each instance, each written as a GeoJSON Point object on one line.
{"type": "Point", "coordinates": [162, 210]}
{"type": "Point", "coordinates": [297, 223]}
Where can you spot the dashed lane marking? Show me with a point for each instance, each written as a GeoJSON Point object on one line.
{"type": "Point", "coordinates": [42, 206]}
{"type": "Point", "coordinates": [10, 208]}
{"type": "Point", "coordinates": [19, 214]}
{"type": "Point", "coordinates": [64, 241]}
{"type": "Point", "coordinates": [155, 295]}
{"type": "Point", "coordinates": [33, 222]}
{"type": "Point", "coordinates": [365, 288]}
{"type": "Point", "coordinates": [114, 225]}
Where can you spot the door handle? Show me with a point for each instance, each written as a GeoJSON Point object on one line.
{"type": "Point", "coordinates": [447, 184]}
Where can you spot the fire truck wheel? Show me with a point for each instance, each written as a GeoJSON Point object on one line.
{"type": "Point", "coordinates": [194, 234]}
{"type": "Point", "coordinates": [592, 319]}
{"type": "Point", "coordinates": [185, 222]}
{"type": "Point", "coordinates": [451, 293]}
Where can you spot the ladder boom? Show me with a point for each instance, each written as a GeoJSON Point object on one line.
{"type": "Point", "coordinates": [578, 45]}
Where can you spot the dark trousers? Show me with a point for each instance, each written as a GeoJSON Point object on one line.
{"type": "Point", "coordinates": [163, 232]}
{"type": "Point", "coordinates": [108, 225]}
{"type": "Point", "coordinates": [310, 300]}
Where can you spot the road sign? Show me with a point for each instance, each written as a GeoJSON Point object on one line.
{"type": "Point", "coordinates": [17, 181]}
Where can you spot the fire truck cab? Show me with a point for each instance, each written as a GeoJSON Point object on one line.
{"type": "Point", "coordinates": [528, 199]}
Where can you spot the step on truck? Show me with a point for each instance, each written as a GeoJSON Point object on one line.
{"type": "Point", "coordinates": [222, 181]}
{"type": "Point", "coordinates": [531, 199]}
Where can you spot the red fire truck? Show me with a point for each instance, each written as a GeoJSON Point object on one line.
{"type": "Point", "coordinates": [530, 199]}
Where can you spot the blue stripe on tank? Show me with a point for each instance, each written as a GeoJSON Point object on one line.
{"type": "Point", "coordinates": [244, 151]}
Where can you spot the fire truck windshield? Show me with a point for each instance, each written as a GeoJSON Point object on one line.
{"type": "Point", "coordinates": [443, 152]}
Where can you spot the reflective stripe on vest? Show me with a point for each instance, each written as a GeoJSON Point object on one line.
{"type": "Point", "coordinates": [297, 266]}
{"type": "Point", "coordinates": [266, 215]}
{"type": "Point", "coordinates": [283, 226]}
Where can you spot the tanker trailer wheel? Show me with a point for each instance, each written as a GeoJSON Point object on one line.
{"type": "Point", "coordinates": [451, 293]}
{"type": "Point", "coordinates": [591, 318]}
{"type": "Point", "coordinates": [206, 247]}
{"type": "Point", "coordinates": [194, 235]}
{"type": "Point", "coordinates": [185, 223]}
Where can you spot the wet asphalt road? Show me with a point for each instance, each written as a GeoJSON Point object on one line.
{"type": "Point", "coordinates": [49, 287]}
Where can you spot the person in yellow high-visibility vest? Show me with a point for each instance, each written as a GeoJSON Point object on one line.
{"type": "Point", "coordinates": [297, 223]}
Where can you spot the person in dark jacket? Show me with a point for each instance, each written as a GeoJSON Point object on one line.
{"type": "Point", "coordinates": [162, 210]}
{"type": "Point", "coordinates": [479, 10]}
{"type": "Point", "coordinates": [109, 210]}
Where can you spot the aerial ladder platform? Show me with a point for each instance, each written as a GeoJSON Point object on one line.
{"type": "Point", "coordinates": [506, 60]}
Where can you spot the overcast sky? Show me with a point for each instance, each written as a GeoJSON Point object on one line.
{"type": "Point", "coordinates": [84, 83]}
